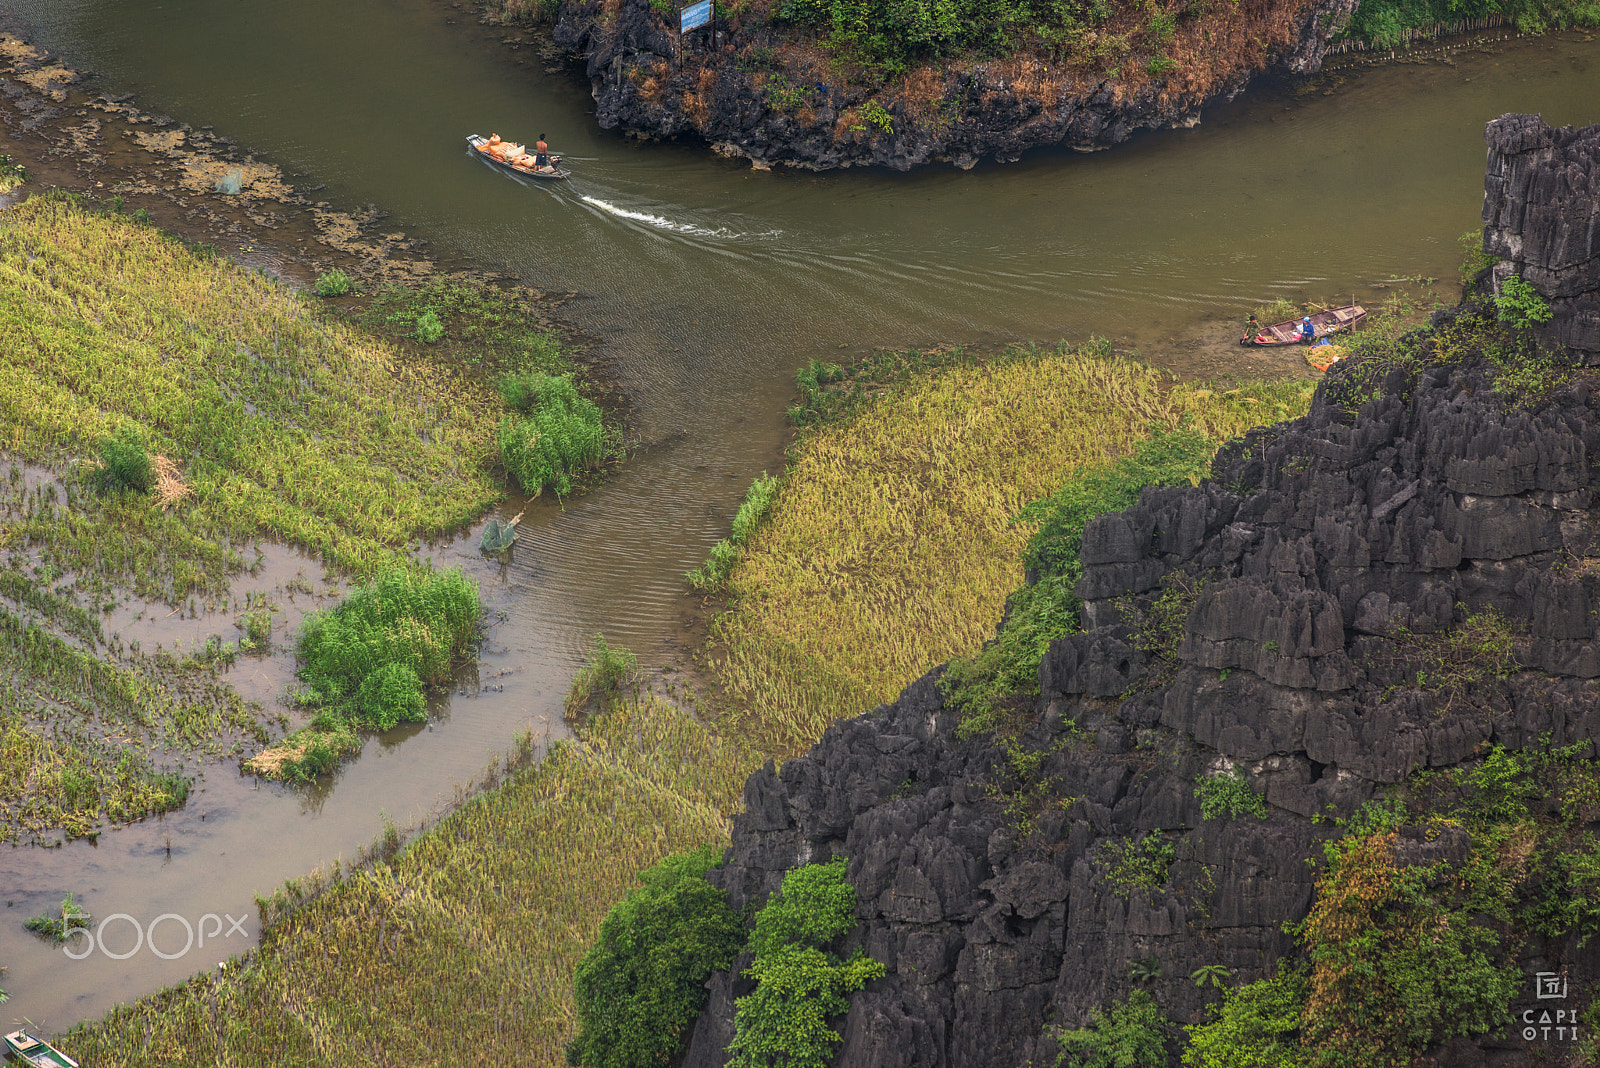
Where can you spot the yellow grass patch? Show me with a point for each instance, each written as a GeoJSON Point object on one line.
{"type": "Point", "coordinates": [891, 547]}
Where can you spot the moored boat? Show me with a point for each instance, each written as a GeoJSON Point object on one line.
{"type": "Point", "coordinates": [516, 159]}
{"type": "Point", "coordinates": [1323, 323]}
{"type": "Point", "coordinates": [30, 1049]}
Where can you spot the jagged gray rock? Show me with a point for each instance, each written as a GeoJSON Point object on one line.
{"type": "Point", "coordinates": [1335, 548]}
{"type": "Point", "coordinates": [1541, 214]}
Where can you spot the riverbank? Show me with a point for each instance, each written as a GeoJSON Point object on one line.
{"type": "Point", "coordinates": [777, 85]}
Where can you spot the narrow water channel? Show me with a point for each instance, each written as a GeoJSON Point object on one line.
{"type": "Point", "coordinates": [709, 284]}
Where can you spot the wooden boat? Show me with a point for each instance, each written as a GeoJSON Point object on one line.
{"type": "Point", "coordinates": [1324, 323]}
{"type": "Point", "coordinates": [480, 145]}
{"type": "Point", "coordinates": [36, 1051]}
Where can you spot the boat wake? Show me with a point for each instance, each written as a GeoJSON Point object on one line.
{"type": "Point", "coordinates": [661, 223]}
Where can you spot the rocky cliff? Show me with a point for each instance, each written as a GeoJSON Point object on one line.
{"type": "Point", "coordinates": [1541, 216]}
{"type": "Point", "coordinates": [1329, 567]}
{"type": "Point", "coordinates": [774, 93]}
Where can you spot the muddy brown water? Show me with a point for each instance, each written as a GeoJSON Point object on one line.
{"type": "Point", "coordinates": [711, 283]}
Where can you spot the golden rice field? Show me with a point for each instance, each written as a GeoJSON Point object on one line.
{"type": "Point", "coordinates": [283, 424]}
{"type": "Point", "coordinates": [891, 548]}
{"type": "Point", "coordinates": [460, 950]}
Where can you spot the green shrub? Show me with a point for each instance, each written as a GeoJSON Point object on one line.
{"type": "Point", "coordinates": [874, 112]}
{"type": "Point", "coordinates": [392, 694]}
{"type": "Point", "coordinates": [1229, 796]}
{"type": "Point", "coordinates": [352, 656]}
{"type": "Point", "coordinates": [1130, 864]}
{"type": "Point", "coordinates": [334, 283]}
{"type": "Point", "coordinates": [429, 327]}
{"type": "Point", "coordinates": [602, 677]}
{"type": "Point", "coordinates": [126, 461]}
{"type": "Point", "coordinates": [642, 984]}
{"type": "Point", "coordinates": [1473, 259]}
{"type": "Point", "coordinates": [1256, 1026]}
{"type": "Point", "coordinates": [783, 1023]}
{"type": "Point", "coordinates": [1403, 958]}
{"type": "Point", "coordinates": [1520, 304]}
{"type": "Point", "coordinates": [554, 433]}
{"type": "Point", "coordinates": [1128, 1036]}
{"type": "Point", "coordinates": [758, 500]}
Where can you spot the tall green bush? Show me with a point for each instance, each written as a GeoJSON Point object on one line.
{"type": "Point", "coordinates": [1128, 1036]}
{"type": "Point", "coordinates": [641, 985]}
{"type": "Point", "coordinates": [371, 656]}
{"type": "Point", "coordinates": [783, 1023]}
{"type": "Point", "coordinates": [553, 433]}
{"type": "Point", "coordinates": [1256, 1026]}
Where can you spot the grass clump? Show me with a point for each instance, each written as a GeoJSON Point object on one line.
{"type": "Point", "coordinates": [334, 283]}
{"type": "Point", "coordinates": [483, 327]}
{"type": "Point", "coordinates": [126, 461]}
{"type": "Point", "coordinates": [1129, 1035]}
{"type": "Point", "coordinates": [758, 499]}
{"type": "Point", "coordinates": [642, 984]}
{"type": "Point", "coordinates": [552, 434]}
{"type": "Point", "coordinates": [430, 328]}
{"type": "Point", "coordinates": [799, 982]}
{"type": "Point", "coordinates": [368, 662]}
{"type": "Point", "coordinates": [602, 680]}
{"type": "Point", "coordinates": [1229, 796]}
{"type": "Point", "coordinates": [55, 927]}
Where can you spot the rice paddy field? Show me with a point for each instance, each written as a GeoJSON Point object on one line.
{"type": "Point", "coordinates": [460, 949]}
{"type": "Point", "coordinates": [268, 422]}
{"type": "Point", "coordinates": [889, 546]}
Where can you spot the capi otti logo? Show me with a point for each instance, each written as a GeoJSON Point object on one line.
{"type": "Point", "coordinates": [1551, 1022]}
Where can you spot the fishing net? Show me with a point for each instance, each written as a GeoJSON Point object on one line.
{"type": "Point", "coordinates": [230, 183]}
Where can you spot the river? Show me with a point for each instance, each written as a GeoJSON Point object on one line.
{"type": "Point", "coordinates": [710, 283]}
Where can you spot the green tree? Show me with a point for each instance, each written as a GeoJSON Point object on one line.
{"type": "Point", "coordinates": [1128, 1036]}
{"type": "Point", "coordinates": [783, 1023]}
{"type": "Point", "coordinates": [641, 985]}
{"type": "Point", "coordinates": [1256, 1026]}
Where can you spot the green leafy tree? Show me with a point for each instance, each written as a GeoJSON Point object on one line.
{"type": "Point", "coordinates": [1520, 304]}
{"type": "Point", "coordinates": [1128, 1036]}
{"type": "Point", "coordinates": [641, 985]}
{"type": "Point", "coordinates": [783, 1023]}
{"type": "Point", "coordinates": [1256, 1026]}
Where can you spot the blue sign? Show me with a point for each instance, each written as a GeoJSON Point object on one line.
{"type": "Point", "coordinates": [695, 15]}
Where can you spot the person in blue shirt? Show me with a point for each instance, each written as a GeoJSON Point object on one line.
{"type": "Point", "coordinates": [1308, 332]}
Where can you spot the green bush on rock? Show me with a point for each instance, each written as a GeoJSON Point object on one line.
{"type": "Point", "coordinates": [1128, 1036]}
{"type": "Point", "coordinates": [1256, 1026]}
{"type": "Point", "coordinates": [641, 985]}
{"type": "Point", "coordinates": [783, 1023]}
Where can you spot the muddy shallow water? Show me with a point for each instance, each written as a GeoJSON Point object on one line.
{"type": "Point", "coordinates": [710, 284]}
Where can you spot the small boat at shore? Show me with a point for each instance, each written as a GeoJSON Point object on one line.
{"type": "Point", "coordinates": [36, 1051]}
{"type": "Point", "coordinates": [1324, 323]}
{"type": "Point", "coordinates": [514, 158]}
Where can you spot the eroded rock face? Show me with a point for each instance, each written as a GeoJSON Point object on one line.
{"type": "Point", "coordinates": [1335, 548]}
{"type": "Point", "coordinates": [1541, 214]}
{"type": "Point", "coordinates": [773, 98]}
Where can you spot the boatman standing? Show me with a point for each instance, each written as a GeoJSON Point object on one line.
{"type": "Point", "coordinates": [541, 154]}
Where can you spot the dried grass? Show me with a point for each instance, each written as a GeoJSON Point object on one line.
{"type": "Point", "coordinates": [170, 487]}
